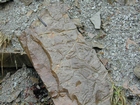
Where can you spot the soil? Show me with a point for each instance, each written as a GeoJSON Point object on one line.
{"type": "Point", "coordinates": [119, 32]}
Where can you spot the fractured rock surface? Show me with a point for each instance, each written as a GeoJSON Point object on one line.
{"type": "Point", "coordinates": [69, 67]}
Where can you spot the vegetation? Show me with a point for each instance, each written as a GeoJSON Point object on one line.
{"type": "Point", "coordinates": [118, 97]}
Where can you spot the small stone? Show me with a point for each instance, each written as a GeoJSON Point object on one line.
{"type": "Point", "coordinates": [137, 71]}
{"type": "Point", "coordinates": [130, 2]}
{"type": "Point", "coordinates": [104, 61]}
{"type": "Point", "coordinates": [96, 44]}
{"type": "Point", "coordinates": [117, 78]}
{"type": "Point", "coordinates": [77, 22]}
{"type": "Point", "coordinates": [38, 87]}
{"type": "Point", "coordinates": [45, 99]}
{"type": "Point", "coordinates": [35, 10]}
{"type": "Point", "coordinates": [91, 35]}
{"type": "Point", "coordinates": [18, 100]}
{"type": "Point", "coordinates": [29, 13]}
{"type": "Point", "coordinates": [27, 2]}
{"type": "Point", "coordinates": [96, 20]}
{"type": "Point", "coordinates": [31, 99]}
{"type": "Point", "coordinates": [93, 7]}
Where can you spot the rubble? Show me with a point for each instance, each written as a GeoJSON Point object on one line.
{"type": "Point", "coordinates": [20, 88]}
{"type": "Point", "coordinates": [119, 32]}
{"type": "Point", "coordinates": [137, 70]}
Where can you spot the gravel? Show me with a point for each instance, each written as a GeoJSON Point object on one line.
{"type": "Point", "coordinates": [119, 23]}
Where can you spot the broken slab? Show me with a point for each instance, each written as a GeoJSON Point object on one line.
{"type": "Point", "coordinates": [137, 71]}
{"type": "Point", "coordinates": [69, 68]}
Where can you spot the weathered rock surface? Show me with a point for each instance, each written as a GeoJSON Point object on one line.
{"type": "Point", "coordinates": [68, 67]}
{"type": "Point", "coordinates": [137, 71]}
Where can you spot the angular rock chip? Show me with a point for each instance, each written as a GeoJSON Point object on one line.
{"type": "Point", "coordinates": [96, 20]}
{"type": "Point", "coordinates": [137, 71]}
{"type": "Point", "coordinates": [96, 44]}
{"type": "Point", "coordinates": [68, 67]}
{"type": "Point", "coordinates": [27, 2]}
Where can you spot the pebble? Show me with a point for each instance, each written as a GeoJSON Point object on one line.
{"type": "Point", "coordinates": [27, 2]}
{"type": "Point", "coordinates": [96, 44]}
{"type": "Point", "coordinates": [18, 100]}
{"type": "Point", "coordinates": [96, 20]}
{"type": "Point", "coordinates": [137, 71]}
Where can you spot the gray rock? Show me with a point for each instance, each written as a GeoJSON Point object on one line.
{"type": "Point", "coordinates": [3, 1]}
{"type": "Point", "coordinates": [96, 20]}
{"type": "Point", "coordinates": [137, 71]}
{"type": "Point", "coordinates": [27, 2]}
{"type": "Point", "coordinates": [96, 44]}
{"type": "Point", "coordinates": [31, 99]}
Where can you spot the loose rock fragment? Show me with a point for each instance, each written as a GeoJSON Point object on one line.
{"type": "Point", "coordinates": [96, 44]}
{"type": "Point", "coordinates": [130, 42]}
{"type": "Point", "coordinates": [137, 71]}
{"type": "Point", "coordinates": [91, 35]}
{"type": "Point", "coordinates": [105, 63]}
{"type": "Point", "coordinates": [27, 2]}
{"type": "Point", "coordinates": [135, 90]}
{"type": "Point", "coordinates": [96, 20]}
{"type": "Point", "coordinates": [29, 13]}
{"type": "Point", "coordinates": [77, 22]}
{"type": "Point", "coordinates": [77, 3]}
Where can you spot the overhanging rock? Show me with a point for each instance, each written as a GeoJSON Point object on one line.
{"type": "Point", "coordinates": [68, 67]}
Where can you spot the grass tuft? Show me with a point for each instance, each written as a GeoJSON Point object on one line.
{"type": "Point", "coordinates": [118, 97]}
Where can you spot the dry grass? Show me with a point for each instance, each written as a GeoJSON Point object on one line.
{"type": "Point", "coordinates": [4, 42]}
{"type": "Point", "coordinates": [118, 97]}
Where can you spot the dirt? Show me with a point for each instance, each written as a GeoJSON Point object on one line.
{"type": "Point", "coordinates": [120, 24]}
